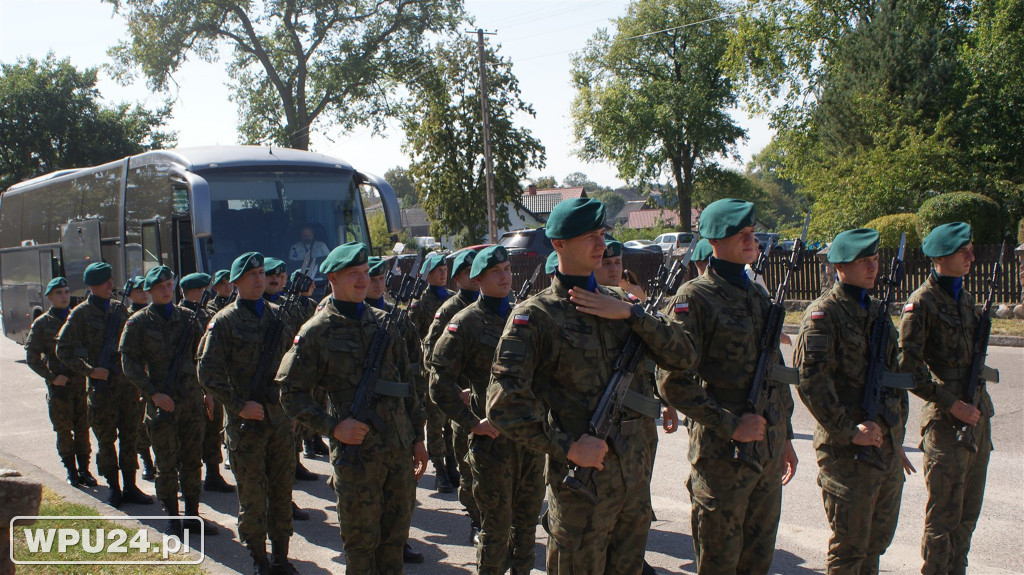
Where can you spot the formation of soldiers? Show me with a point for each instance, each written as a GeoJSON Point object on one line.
{"type": "Point", "coordinates": [500, 397]}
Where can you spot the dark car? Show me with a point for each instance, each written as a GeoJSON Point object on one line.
{"type": "Point", "coordinates": [527, 243]}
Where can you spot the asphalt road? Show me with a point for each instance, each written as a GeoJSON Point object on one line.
{"type": "Point", "coordinates": [441, 531]}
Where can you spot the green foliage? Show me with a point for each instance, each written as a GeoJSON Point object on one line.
{"type": "Point", "coordinates": [51, 118]}
{"type": "Point", "coordinates": [654, 103]}
{"type": "Point", "coordinates": [443, 136]}
{"type": "Point", "coordinates": [1020, 231]}
{"type": "Point", "coordinates": [890, 227]}
{"type": "Point", "coordinates": [613, 201]}
{"type": "Point", "coordinates": [380, 237]}
{"type": "Point", "coordinates": [545, 182]}
{"type": "Point", "coordinates": [402, 183]}
{"type": "Point", "coordinates": [981, 212]}
{"type": "Point", "coordinates": [294, 64]}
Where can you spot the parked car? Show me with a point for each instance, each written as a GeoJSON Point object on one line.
{"type": "Point", "coordinates": [641, 245]}
{"type": "Point", "coordinates": [671, 241]}
{"type": "Point", "coordinates": [765, 239]}
{"type": "Point", "coordinates": [527, 243]}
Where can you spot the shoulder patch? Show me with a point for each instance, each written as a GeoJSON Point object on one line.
{"type": "Point", "coordinates": [131, 321]}
{"type": "Point", "coordinates": [681, 307]}
{"type": "Point", "coordinates": [437, 314]}
{"type": "Point", "coordinates": [817, 315]}
{"type": "Point", "coordinates": [908, 307]}
{"type": "Point", "coordinates": [414, 304]}
{"type": "Point", "coordinates": [297, 339]}
{"type": "Point", "coordinates": [520, 319]}
{"type": "Point", "coordinates": [210, 325]}
{"type": "Point", "coordinates": [632, 297]}
{"type": "Point", "coordinates": [453, 327]}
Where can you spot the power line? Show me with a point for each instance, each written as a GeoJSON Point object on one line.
{"type": "Point", "coordinates": [706, 20]}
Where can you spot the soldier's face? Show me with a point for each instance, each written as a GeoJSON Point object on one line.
{"type": "Point", "coordinates": [60, 298]}
{"type": "Point", "coordinates": [162, 293]}
{"type": "Point", "coordinates": [104, 290]}
{"type": "Point", "coordinates": [275, 282]}
{"type": "Point", "coordinates": [861, 272]}
{"type": "Point", "coordinates": [610, 271]}
{"type": "Point", "coordinates": [194, 294]}
{"type": "Point", "coordinates": [739, 248]}
{"type": "Point", "coordinates": [377, 287]}
{"type": "Point", "coordinates": [250, 285]}
{"type": "Point", "coordinates": [223, 289]}
{"type": "Point", "coordinates": [139, 297]}
{"type": "Point", "coordinates": [462, 280]}
{"type": "Point", "coordinates": [956, 264]}
{"type": "Point", "coordinates": [350, 284]}
{"type": "Point", "coordinates": [496, 281]}
{"type": "Point", "coordinates": [580, 255]}
{"type": "Point", "coordinates": [438, 276]}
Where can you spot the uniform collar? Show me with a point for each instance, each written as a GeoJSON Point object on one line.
{"type": "Point", "coordinates": [850, 303]}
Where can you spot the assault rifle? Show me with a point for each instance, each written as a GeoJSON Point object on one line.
{"type": "Point", "coordinates": [761, 400]}
{"type": "Point", "coordinates": [879, 381]}
{"type": "Point", "coordinates": [181, 347]}
{"type": "Point", "coordinates": [605, 421]}
{"type": "Point", "coordinates": [979, 372]}
{"type": "Point", "coordinates": [111, 337]}
{"type": "Point", "coordinates": [524, 290]}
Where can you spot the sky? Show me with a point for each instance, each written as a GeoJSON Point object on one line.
{"type": "Point", "coordinates": [538, 36]}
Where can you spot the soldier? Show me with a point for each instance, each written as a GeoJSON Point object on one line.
{"type": "Point", "coordinates": [65, 390]}
{"type": "Point", "coordinates": [833, 350]}
{"type": "Point", "coordinates": [552, 366]}
{"type": "Point", "coordinates": [422, 312]}
{"type": "Point", "coordinates": [277, 279]}
{"type": "Point", "coordinates": [551, 265]}
{"type": "Point", "coordinates": [940, 320]}
{"type": "Point", "coordinates": [258, 432]}
{"type": "Point", "coordinates": [174, 409]}
{"type": "Point", "coordinates": [701, 254]}
{"type": "Point", "coordinates": [736, 507]}
{"type": "Point", "coordinates": [506, 477]}
{"type": "Point", "coordinates": [456, 467]}
{"type": "Point", "coordinates": [374, 497]}
{"type": "Point", "coordinates": [114, 405]}
{"type": "Point", "coordinates": [307, 439]}
{"type": "Point", "coordinates": [222, 288]}
{"type": "Point", "coordinates": [140, 299]}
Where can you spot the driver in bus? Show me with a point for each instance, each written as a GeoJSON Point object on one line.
{"type": "Point", "coordinates": [307, 242]}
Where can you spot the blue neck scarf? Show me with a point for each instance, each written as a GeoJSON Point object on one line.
{"type": "Point", "coordinates": [952, 285]}
{"type": "Point", "coordinates": [468, 296]}
{"type": "Point", "coordinates": [351, 310]}
{"type": "Point", "coordinates": [585, 282]}
{"type": "Point", "coordinates": [731, 272]}
{"type": "Point", "coordinates": [103, 304]}
{"type": "Point", "coordinates": [377, 303]}
{"type": "Point", "coordinates": [164, 310]}
{"type": "Point", "coordinates": [256, 306]}
{"type": "Point", "coordinates": [857, 293]}
{"type": "Point", "coordinates": [498, 305]}
{"type": "Point", "coordinates": [441, 292]}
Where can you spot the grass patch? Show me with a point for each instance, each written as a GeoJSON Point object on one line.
{"type": "Point", "coordinates": [53, 504]}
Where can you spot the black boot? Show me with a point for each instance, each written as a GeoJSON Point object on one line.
{"type": "Point", "coordinates": [69, 463]}
{"type": "Point", "coordinates": [451, 465]}
{"type": "Point", "coordinates": [308, 451]}
{"type": "Point", "coordinates": [648, 570]}
{"type": "Point", "coordinates": [175, 525]}
{"type": "Point", "coordinates": [319, 447]}
{"type": "Point", "coordinates": [84, 477]}
{"type": "Point", "coordinates": [409, 555]}
{"type": "Point", "coordinates": [299, 514]}
{"type": "Point", "coordinates": [214, 481]}
{"type": "Point", "coordinates": [442, 483]}
{"type": "Point", "coordinates": [148, 473]}
{"type": "Point", "coordinates": [195, 525]}
{"type": "Point", "coordinates": [131, 493]}
{"type": "Point", "coordinates": [303, 474]}
{"type": "Point", "coordinates": [279, 564]}
{"type": "Point", "coordinates": [474, 532]}
{"type": "Point", "coordinates": [260, 563]}
{"type": "Point", "coordinates": [115, 498]}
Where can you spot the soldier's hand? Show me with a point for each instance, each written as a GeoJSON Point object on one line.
{"type": "Point", "coordinates": [669, 419]}
{"type": "Point", "coordinates": [60, 381]}
{"type": "Point", "coordinates": [790, 461]}
{"type": "Point", "coordinates": [163, 401]}
{"type": "Point", "coordinates": [419, 456]}
{"type": "Point", "coordinates": [99, 373]}
{"type": "Point", "coordinates": [351, 431]}
{"type": "Point", "coordinates": [908, 467]}
{"type": "Point", "coordinates": [588, 451]}
{"type": "Point", "coordinates": [485, 428]}
{"type": "Point", "coordinates": [869, 434]}
{"type": "Point", "coordinates": [965, 412]}
{"type": "Point", "coordinates": [465, 396]}
{"type": "Point", "coordinates": [208, 400]}
{"type": "Point", "coordinates": [251, 410]}
{"type": "Point", "coordinates": [751, 428]}
{"type": "Point", "coordinates": [600, 304]}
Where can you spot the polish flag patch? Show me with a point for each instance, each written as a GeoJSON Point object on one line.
{"type": "Point", "coordinates": [908, 307]}
{"type": "Point", "coordinates": [453, 327]}
{"type": "Point", "coordinates": [296, 340]}
{"type": "Point", "coordinates": [209, 326]}
{"type": "Point", "coordinates": [520, 319]}
{"type": "Point", "coordinates": [438, 314]}
{"type": "Point", "coordinates": [682, 307]}
{"type": "Point", "coordinates": [817, 315]}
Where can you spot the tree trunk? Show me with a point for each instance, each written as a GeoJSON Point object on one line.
{"type": "Point", "coordinates": [682, 170]}
{"type": "Point", "coordinates": [298, 136]}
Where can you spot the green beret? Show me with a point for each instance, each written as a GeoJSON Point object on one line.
{"type": "Point", "coordinates": [725, 218]}
{"type": "Point", "coordinates": [157, 275]}
{"type": "Point", "coordinates": [274, 266]}
{"type": "Point", "coordinates": [702, 252]}
{"type": "Point", "coordinates": [197, 280]}
{"type": "Point", "coordinates": [97, 273]}
{"type": "Point", "coordinates": [245, 262]}
{"type": "Point", "coordinates": [54, 284]}
{"type": "Point", "coordinates": [220, 276]}
{"type": "Point", "coordinates": [613, 249]}
{"type": "Point", "coordinates": [488, 257]}
{"type": "Point", "coordinates": [852, 245]}
{"type": "Point", "coordinates": [432, 262]}
{"type": "Point", "coordinates": [345, 255]}
{"type": "Point", "coordinates": [378, 266]}
{"type": "Point", "coordinates": [946, 239]}
{"type": "Point", "coordinates": [462, 260]}
{"type": "Point", "coordinates": [572, 218]}
{"type": "Point", "coordinates": [551, 265]}
{"type": "Point", "coordinates": [138, 281]}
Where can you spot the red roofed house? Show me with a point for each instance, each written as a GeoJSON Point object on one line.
{"type": "Point", "coordinates": [649, 218]}
{"type": "Point", "coordinates": [541, 202]}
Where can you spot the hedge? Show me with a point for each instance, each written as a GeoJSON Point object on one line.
{"type": "Point", "coordinates": [890, 227]}
{"type": "Point", "coordinates": [980, 211]}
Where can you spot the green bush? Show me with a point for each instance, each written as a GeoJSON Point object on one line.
{"type": "Point", "coordinates": [981, 212]}
{"type": "Point", "coordinates": [890, 227]}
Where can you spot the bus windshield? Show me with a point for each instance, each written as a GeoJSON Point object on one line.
{"type": "Point", "coordinates": [282, 215]}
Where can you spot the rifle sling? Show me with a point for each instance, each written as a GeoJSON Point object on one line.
{"type": "Point", "coordinates": [646, 406]}
{"type": "Point", "coordinates": [957, 376]}
{"type": "Point", "coordinates": [384, 387]}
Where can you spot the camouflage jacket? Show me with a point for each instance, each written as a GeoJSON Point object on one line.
{"type": "Point", "coordinates": [937, 338]}
{"type": "Point", "coordinates": [203, 314]}
{"type": "Point", "coordinates": [148, 346]}
{"type": "Point", "coordinates": [80, 342]}
{"type": "Point", "coordinates": [725, 322]}
{"type": "Point", "coordinates": [330, 352]}
{"type": "Point", "coordinates": [422, 311]}
{"type": "Point", "coordinates": [216, 304]}
{"type": "Point", "coordinates": [832, 354]}
{"type": "Point", "coordinates": [41, 347]}
{"type": "Point", "coordinates": [462, 359]}
{"type": "Point", "coordinates": [553, 364]}
{"type": "Point", "coordinates": [439, 324]}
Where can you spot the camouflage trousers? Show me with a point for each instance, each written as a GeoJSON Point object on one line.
{"type": "Point", "coordinates": [115, 413]}
{"type": "Point", "coordinates": [955, 477]}
{"type": "Point", "coordinates": [460, 444]}
{"type": "Point", "coordinates": [508, 484]}
{"type": "Point", "coordinates": [262, 457]}
{"type": "Point", "coordinates": [177, 445]}
{"type": "Point", "coordinates": [862, 505]}
{"type": "Point", "coordinates": [439, 431]}
{"type": "Point", "coordinates": [68, 406]}
{"type": "Point", "coordinates": [375, 506]}
{"type": "Point", "coordinates": [212, 438]}
{"type": "Point", "coordinates": [735, 515]}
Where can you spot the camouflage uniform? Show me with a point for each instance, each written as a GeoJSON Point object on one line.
{"type": "Point", "coordinates": [937, 336]}
{"type": "Point", "coordinates": [374, 502]}
{"type": "Point", "coordinates": [862, 503]}
{"type": "Point", "coordinates": [736, 509]}
{"type": "Point", "coordinates": [148, 346]}
{"type": "Point", "coordinates": [506, 478]}
{"type": "Point", "coordinates": [552, 366]}
{"type": "Point", "coordinates": [262, 453]}
{"type": "Point", "coordinates": [439, 435]}
{"type": "Point", "coordinates": [115, 410]}
{"type": "Point", "coordinates": [67, 405]}
{"type": "Point", "coordinates": [212, 456]}
{"type": "Point", "coordinates": [216, 304]}
{"type": "Point", "coordinates": [142, 441]}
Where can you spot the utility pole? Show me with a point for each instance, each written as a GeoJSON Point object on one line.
{"type": "Point", "coordinates": [492, 225]}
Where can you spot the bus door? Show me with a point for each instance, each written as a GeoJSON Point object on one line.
{"type": "Point", "coordinates": [80, 246]}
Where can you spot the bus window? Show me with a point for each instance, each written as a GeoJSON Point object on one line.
{"type": "Point", "coordinates": [152, 256]}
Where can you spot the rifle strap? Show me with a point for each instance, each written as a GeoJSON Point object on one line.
{"type": "Point", "coordinates": [785, 375]}
{"type": "Point", "coordinates": [898, 380]}
{"type": "Point", "coordinates": [642, 404]}
{"type": "Point", "coordinates": [400, 389]}
{"type": "Point", "coordinates": [952, 376]}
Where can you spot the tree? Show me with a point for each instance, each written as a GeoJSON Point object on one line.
{"type": "Point", "coordinates": [295, 63]}
{"type": "Point", "coordinates": [402, 183]}
{"type": "Point", "coordinates": [380, 237]}
{"type": "Point", "coordinates": [52, 117]}
{"type": "Point", "coordinates": [655, 97]}
{"type": "Point", "coordinates": [545, 182]}
{"type": "Point", "coordinates": [613, 201]}
{"type": "Point", "coordinates": [443, 136]}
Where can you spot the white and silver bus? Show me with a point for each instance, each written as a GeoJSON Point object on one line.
{"type": "Point", "coordinates": [192, 209]}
